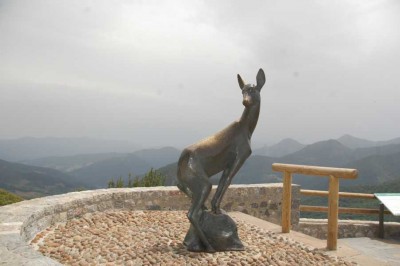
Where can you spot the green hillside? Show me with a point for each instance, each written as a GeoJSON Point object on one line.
{"type": "Point", "coordinates": [98, 173]}
{"type": "Point", "coordinates": [375, 170]}
{"type": "Point", "coordinates": [8, 197]}
{"type": "Point", "coordinates": [31, 181]}
{"type": "Point", "coordinates": [169, 171]}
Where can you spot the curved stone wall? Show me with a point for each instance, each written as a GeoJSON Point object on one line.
{"type": "Point", "coordinates": [20, 222]}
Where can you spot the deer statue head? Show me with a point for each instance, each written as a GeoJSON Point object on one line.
{"type": "Point", "coordinates": [251, 93]}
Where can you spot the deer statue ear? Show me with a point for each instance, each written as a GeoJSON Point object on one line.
{"type": "Point", "coordinates": [241, 82]}
{"type": "Point", "coordinates": [260, 79]}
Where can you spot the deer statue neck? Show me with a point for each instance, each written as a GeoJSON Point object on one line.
{"type": "Point", "coordinates": [249, 118]}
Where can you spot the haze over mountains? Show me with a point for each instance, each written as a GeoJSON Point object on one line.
{"type": "Point", "coordinates": [34, 148]}
{"type": "Point", "coordinates": [377, 161]}
{"type": "Point", "coordinates": [282, 148]}
{"type": "Point", "coordinates": [354, 143]}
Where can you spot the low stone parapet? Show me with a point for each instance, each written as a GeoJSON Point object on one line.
{"type": "Point", "coordinates": [20, 222]}
{"type": "Point", "coordinates": [318, 228]}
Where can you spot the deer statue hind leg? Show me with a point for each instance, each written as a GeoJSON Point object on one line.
{"type": "Point", "coordinates": [192, 178]}
{"type": "Point", "coordinates": [209, 232]}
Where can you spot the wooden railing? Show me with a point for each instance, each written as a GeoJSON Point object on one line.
{"type": "Point", "coordinates": [333, 195]}
{"type": "Point", "coordinates": [381, 211]}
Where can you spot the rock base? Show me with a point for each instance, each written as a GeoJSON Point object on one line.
{"type": "Point", "coordinates": [220, 230]}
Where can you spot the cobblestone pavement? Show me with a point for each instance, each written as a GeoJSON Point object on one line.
{"type": "Point", "coordinates": [155, 238]}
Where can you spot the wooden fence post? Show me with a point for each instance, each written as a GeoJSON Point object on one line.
{"type": "Point", "coordinates": [333, 207]}
{"type": "Point", "coordinates": [286, 201]}
{"type": "Point", "coordinates": [381, 233]}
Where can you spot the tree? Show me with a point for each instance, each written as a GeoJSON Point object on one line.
{"type": "Point", "coordinates": [152, 178]}
{"type": "Point", "coordinates": [111, 183]}
{"type": "Point", "coordinates": [120, 182]}
{"type": "Point", "coordinates": [130, 181]}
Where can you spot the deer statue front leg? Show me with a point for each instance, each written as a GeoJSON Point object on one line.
{"type": "Point", "coordinates": [225, 181]}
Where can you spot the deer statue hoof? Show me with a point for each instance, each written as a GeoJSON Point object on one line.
{"type": "Point", "coordinates": [218, 211]}
{"type": "Point", "coordinates": [219, 229]}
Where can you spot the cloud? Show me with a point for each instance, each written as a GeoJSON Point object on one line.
{"type": "Point", "coordinates": [164, 72]}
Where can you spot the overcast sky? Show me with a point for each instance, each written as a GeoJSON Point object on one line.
{"type": "Point", "coordinates": [164, 72]}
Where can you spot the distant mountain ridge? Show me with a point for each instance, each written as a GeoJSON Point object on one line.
{"type": "Point", "coordinates": [282, 148]}
{"type": "Point", "coordinates": [73, 162]}
{"type": "Point", "coordinates": [355, 143]}
{"type": "Point", "coordinates": [33, 148]}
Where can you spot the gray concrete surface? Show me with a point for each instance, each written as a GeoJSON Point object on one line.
{"type": "Point", "coordinates": [364, 251]}
{"type": "Point", "coordinates": [385, 250]}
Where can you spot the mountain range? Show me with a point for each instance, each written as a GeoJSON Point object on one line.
{"type": "Point", "coordinates": [282, 148]}
{"type": "Point", "coordinates": [29, 148]}
{"type": "Point", "coordinates": [377, 162]}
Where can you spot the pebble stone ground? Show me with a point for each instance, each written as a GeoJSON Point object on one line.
{"type": "Point", "coordinates": [155, 238]}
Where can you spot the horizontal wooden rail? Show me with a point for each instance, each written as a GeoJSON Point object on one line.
{"type": "Point", "coordinates": [322, 193]}
{"type": "Point", "coordinates": [315, 170]}
{"type": "Point", "coordinates": [307, 208]}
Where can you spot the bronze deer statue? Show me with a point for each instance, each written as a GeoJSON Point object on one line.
{"type": "Point", "coordinates": [224, 151]}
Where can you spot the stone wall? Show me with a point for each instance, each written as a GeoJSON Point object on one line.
{"type": "Point", "coordinates": [262, 201]}
{"type": "Point", "coordinates": [20, 222]}
{"type": "Point", "coordinates": [348, 228]}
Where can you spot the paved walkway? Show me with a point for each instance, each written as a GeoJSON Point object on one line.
{"type": "Point", "coordinates": [363, 250]}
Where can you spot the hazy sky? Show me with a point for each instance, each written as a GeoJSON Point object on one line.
{"type": "Point", "coordinates": [164, 72]}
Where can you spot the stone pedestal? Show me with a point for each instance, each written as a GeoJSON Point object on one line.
{"type": "Point", "coordinates": [220, 230]}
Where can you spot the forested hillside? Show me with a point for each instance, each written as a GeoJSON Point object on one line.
{"type": "Point", "coordinates": [31, 181]}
